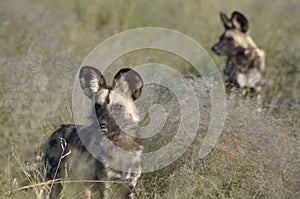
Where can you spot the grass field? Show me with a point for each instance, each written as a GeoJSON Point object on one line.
{"type": "Point", "coordinates": [44, 42]}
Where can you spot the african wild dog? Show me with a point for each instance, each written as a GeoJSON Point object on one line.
{"type": "Point", "coordinates": [85, 152]}
{"type": "Point", "coordinates": [245, 67]}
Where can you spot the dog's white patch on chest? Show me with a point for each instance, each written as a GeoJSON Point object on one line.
{"type": "Point", "coordinates": [251, 79]}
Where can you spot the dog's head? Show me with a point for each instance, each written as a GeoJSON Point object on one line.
{"type": "Point", "coordinates": [234, 40]}
{"type": "Point", "coordinates": [113, 105]}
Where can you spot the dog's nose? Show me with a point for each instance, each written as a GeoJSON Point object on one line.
{"type": "Point", "coordinates": [103, 124]}
{"type": "Point", "coordinates": [213, 48]}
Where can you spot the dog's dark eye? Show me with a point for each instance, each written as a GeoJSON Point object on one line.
{"type": "Point", "coordinates": [97, 106]}
{"type": "Point", "coordinates": [229, 38]}
{"type": "Point", "coordinates": [117, 107]}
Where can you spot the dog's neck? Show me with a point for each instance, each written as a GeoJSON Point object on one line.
{"type": "Point", "coordinates": [244, 60]}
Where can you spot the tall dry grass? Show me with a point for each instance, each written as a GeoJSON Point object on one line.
{"type": "Point", "coordinates": [44, 42]}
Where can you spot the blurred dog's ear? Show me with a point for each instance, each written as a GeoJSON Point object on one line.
{"type": "Point", "coordinates": [128, 82]}
{"type": "Point", "coordinates": [239, 21]}
{"type": "Point", "coordinates": [91, 80]}
{"type": "Point", "coordinates": [226, 21]}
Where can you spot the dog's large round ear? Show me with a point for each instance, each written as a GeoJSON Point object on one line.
{"type": "Point", "coordinates": [239, 21]}
{"type": "Point", "coordinates": [128, 82]}
{"type": "Point", "coordinates": [226, 21]}
{"type": "Point", "coordinates": [91, 80]}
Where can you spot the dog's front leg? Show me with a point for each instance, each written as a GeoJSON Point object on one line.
{"type": "Point", "coordinates": [107, 190]}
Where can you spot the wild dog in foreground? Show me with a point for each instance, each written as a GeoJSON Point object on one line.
{"type": "Point", "coordinates": [245, 67]}
{"type": "Point", "coordinates": [84, 153]}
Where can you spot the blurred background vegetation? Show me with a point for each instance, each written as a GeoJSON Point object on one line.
{"type": "Point", "coordinates": [44, 42]}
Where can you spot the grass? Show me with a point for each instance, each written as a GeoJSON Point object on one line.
{"type": "Point", "coordinates": [44, 42]}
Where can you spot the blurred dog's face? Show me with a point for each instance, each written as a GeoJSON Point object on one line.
{"type": "Point", "coordinates": [114, 105]}
{"type": "Point", "coordinates": [234, 40]}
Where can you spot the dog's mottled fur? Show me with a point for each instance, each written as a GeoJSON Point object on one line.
{"type": "Point", "coordinates": [245, 67]}
{"type": "Point", "coordinates": [85, 152]}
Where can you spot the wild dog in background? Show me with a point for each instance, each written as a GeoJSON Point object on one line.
{"type": "Point", "coordinates": [245, 67]}
{"type": "Point", "coordinates": [114, 121]}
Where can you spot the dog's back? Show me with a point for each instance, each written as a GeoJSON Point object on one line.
{"type": "Point", "coordinates": [66, 157]}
